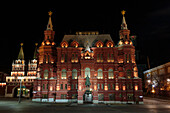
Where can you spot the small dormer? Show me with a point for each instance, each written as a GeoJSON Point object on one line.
{"type": "Point", "coordinates": [99, 44]}
{"type": "Point", "coordinates": [74, 44]}
{"type": "Point", "coordinates": [64, 44]}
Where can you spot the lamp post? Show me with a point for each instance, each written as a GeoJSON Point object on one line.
{"type": "Point", "coordinates": [19, 101]}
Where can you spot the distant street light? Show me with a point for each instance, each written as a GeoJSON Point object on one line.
{"type": "Point", "coordinates": [20, 89]}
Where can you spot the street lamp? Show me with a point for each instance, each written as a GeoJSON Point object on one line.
{"type": "Point", "coordinates": [20, 89]}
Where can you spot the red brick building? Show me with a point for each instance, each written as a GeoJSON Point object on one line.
{"type": "Point", "coordinates": [87, 67]}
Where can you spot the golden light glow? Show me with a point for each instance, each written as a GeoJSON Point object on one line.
{"type": "Point", "coordinates": [136, 87]}
{"type": "Point", "coordinates": [58, 88]}
{"type": "Point", "coordinates": [126, 42]}
{"type": "Point", "coordinates": [123, 12]}
{"type": "Point", "coordinates": [2, 84]}
{"type": "Point", "coordinates": [117, 88]}
{"type": "Point", "coordinates": [48, 43]}
{"type": "Point", "coordinates": [51, 88]}
{"type": "Point", "coordinates": [95, 87]}
{"type": "Point", "coordinates": [79, 87]}
{"type": "Point", "coordinates": [105, 88]}
{"type": "Point", "coordinates": [50, 13]}
{"type": "Point", "coordinates": [43, 43]}
{"type": "Point", "coordinates": [39, 88]}
{"type": "Point", "coordinates": [120, 43]}
{"type": "Point", "coordinates": [153, 91]}
{"type": "Point", "coordinates": [124, 87]}
{"type": "Point", "coordinates": [53, 43]}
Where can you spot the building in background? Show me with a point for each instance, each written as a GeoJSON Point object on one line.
{"type": "Point", "coordinates": [157, 80]}
{"type": "Point", "coordinates": [2, 83]}
{"type": "Point", "coordinates": [87, 67]}
{"type": "Point", "coordinates": [21, 75]}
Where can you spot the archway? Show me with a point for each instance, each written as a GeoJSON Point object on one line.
{"type": "Point", "coordinates": [87, 97]}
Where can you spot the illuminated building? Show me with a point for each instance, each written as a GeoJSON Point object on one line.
{"type": "Point", "coordinates": [63, 70]}
{"type": "Point", "coordinates": [157, 80]}
{"type": "Point", "coordinates": [2, 83]}
{"type": "Point", "coordinates": [19, 74]}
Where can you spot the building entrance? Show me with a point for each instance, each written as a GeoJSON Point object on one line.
{"type": "Point", "coordinates": [88, 96]}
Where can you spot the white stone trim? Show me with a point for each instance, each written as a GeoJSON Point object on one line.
{"type": "Point", "coordinates": [80, 101]}
{"type": "Point", "coordinates": [95, 101]}
{"type": "Point", "coordinates": [36, 100]}
{"type": "Point", "coordinates": [141, 103]}
{"type": "Point", "coordinates": [44, 100]}
{"type": "Point", "coordinates": [61, 100]}
{"type": "Point", "coordinates": [50, 99]}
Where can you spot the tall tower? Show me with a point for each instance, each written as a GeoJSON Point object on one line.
{"type": "Point", "coordinates": [18, 67]}
{"type": "Point", "coordinates": [46, 71]}
{"type": "Point", "coordinates": [32, 65]}
{"type": "Point", "coordinates": [124, 32]}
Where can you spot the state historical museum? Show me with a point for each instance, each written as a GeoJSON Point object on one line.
{"type": "Point", "coordinates": [87, 67]}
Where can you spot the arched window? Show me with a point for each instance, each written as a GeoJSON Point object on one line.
{"type": "Point", "coordinates": [46, 74]}
{"type": "Point", "coordinates": [110, 74]}
{"type": "Point", "coordinates": [100, 74]}
{"type": "Point", "coordinates": [128, 73]}
{"type": "Point", "coordinates": [63, 74]}
{"type": "Point", "coordinates": [87, 72]}
{"type": "Point", "coordinates": [74, 74]}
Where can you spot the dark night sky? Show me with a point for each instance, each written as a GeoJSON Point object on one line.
{"type": "Point", "coordinates": [25, 22]}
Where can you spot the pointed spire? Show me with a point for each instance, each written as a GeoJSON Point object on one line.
{"type": "Point", "coordinates": [87, 47]}
{"type": "Point", "coordinates": [35, 52]}
{"type": "Point", "coordinates": [49, 26]}
{"type": "Point", "coordinates": [21, 53]}
{"type": "Point", "coordinates": [123, 25]}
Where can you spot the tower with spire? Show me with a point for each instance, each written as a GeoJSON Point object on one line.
{"type": "Point", "coordinates": [46, 67]}
{"type": "Point", "coordinates": [18, 66]}
{"type": "Point", "coordinates": [32, 65]}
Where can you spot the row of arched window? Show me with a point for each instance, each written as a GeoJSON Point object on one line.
{"type": "Point", "coordinates": [75, 44]}
{"type": "Point", "coordinates": [87, 73]}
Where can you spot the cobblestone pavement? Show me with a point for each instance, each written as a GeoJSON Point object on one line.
{"type": "Point", "coordinates": [27, 106]}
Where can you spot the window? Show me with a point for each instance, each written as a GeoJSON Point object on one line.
{"type": "Point", "coordinates": [65, 57]}
{"type": "Point", "coordinates": [100, 74]}
{"type": "Point", "coordinates": [102, 86]}
{"type": "Point", "coordinates": [74, 74]}
{"type": "Point", "coordinates": [76, 86]}
{"type": "Point", "coordinates": [44, 96]}
{"type": "Point", "coordinates": [87, 72]}
{"type": "Point", "coordinates": [61, 87]}
{"type": "Point", "coordinates": [48, 58]}
{"type": "Point", "coordinates": [108, 86]}
{"type": "Point", "coordinates": [45, 58]}
{"type": "Point", "coordinates": [113, 86]}
{"type": "Point", "coordinates": [98, 60]}
{"type": "Point", "coordinates": [62, 58]}
{"type": "Point", "coordinates": [63, 74]}
{"type": "Point", "coordinates": [108, 57]}
{"type": "Point", "coordinates": [72, 86]}
{"type": "Point", "coordinates": [98, 86]}
{"type": "Point", "coordinates": [130, 96]}
{"type": "Point", "coordinates": [65, 86]}
{"type": "Point", "coordinates": [43, 86]}
{"type": "Point", "coordinates": [111, 76]}
{"type": "Point", "coordinates": [111, 96]}
{"type": "Point", "coordinates": [46, 74]}
{"type": "Point", "coordinates": [100, 97]}
{"type": "Point", "coordinates": [63, 96]}
{"type": "Point", "coordinates": [128, 73]}
{"type": "Point", "coordinates": [47, 86]}
{"type": "Point", "coordinates": [125, 57]}
{"type": "Point", "coordinates": [101, 56]}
